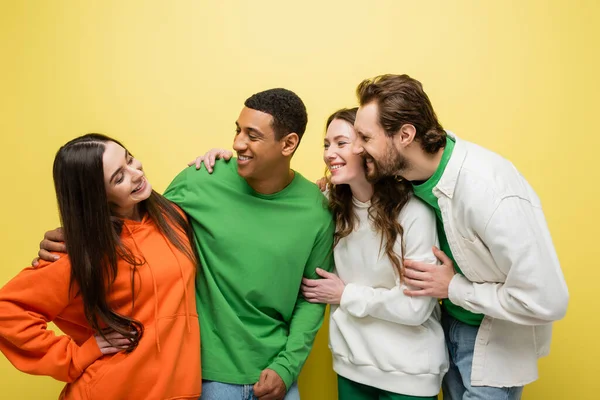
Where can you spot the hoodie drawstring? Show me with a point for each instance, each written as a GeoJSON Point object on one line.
{"type": "Point", "coordinates": [154, 287]}
{"type": "Point", "coordinates": [185, 291]}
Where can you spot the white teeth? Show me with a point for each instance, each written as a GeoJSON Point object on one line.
{"type": "Point", "coordinates": [243, 158]}
{"type": "Point", "coordinates": [335, 167]}
{"type": "Point", "coordinates": [139, 187]}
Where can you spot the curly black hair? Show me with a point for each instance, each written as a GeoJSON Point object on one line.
{"type": "Point", "coordinates": [286, 108]}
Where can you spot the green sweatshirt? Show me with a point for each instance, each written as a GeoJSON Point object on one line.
{"type": "Point", "coordinates": [254, 250]}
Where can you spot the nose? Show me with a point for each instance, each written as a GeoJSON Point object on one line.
{"type": "Point", "coordinates": [330, 154]}
{"type": "Point", "coordinates": [357, 148]}
{"type": "Point", "coordinates": [137, 173]}
{"type": "Point", "coordinates": [239, 143]}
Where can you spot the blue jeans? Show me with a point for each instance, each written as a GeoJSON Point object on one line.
{"type": "Point", "coordinates": [460, 339]}
{"type": "Point", "coordinates": [212, 390]}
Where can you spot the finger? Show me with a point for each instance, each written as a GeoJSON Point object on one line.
{"type": "Point", "coordinates": [227, 155]}
{"type": "Point", "coordinates": [35, 262]}
{"type": "Point", "coordinates": [111, 335]}
{"type": "Point", "coordinates": [272, 395]}
{"type": "Point", "coordinates": [417, 283]}
{"type": "Point", "coordinates": [121, 343]}
{"type": "Point", "coordinates": [199, 162]}
{"type": "Point", "coordinates": [259, 387]}
{"type": "Point", "coordinates": [55, 235]}
{"type": "Point", "coordinates": [315, 300]}
{"type": "Point", "coordinates": [191, 163]}
{"type": "Point", "coordinates": [417, 293]}
{"type": "Point", "coordinates": [417, 275]}
{"type": "Point", "coordinates": [47, 256]}
{"type": "Point", "coordinates": [114, 335]}
{"type": "Point", "coordinates": [209, 163]}
{"type": "Point", "coordinates": [441, 256]}
{"type": "Point", "coordinates": [325, 274]}
{"type": "Point", "coordinates": [272, 386]}
{"type": "Point", "coordinates": [110, 350]}
{"type": "Point", "coordinates": [322, 183]}
{"type": "Point", "coordinates": [310, 282]}
{"type": "Point", "coordinates": [50, 245]}
{"type": "Point", "coordinates": [117, 343]}
{"type": "Point", "coordinates": [416, 266]}
{"type": "Point", "coordinates": [312, 291]}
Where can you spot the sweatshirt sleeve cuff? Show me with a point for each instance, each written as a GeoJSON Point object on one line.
{"type": "Point", "coordinates": [86, 354]}
{"type": "Point", "coordinates": [284, 374]}
{"type": "Point", "coordinates": [460, 291]}
{"type": "Point", "coordinates": [351, 301]}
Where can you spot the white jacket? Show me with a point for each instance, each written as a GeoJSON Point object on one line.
{"type": "Point", "coordinates": [378, 336]}
{"type": "Point", "coordinates": [498, 236]}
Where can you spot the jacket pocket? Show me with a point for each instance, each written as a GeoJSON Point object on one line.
{"type": "Point", "coordinates": [481, 265]}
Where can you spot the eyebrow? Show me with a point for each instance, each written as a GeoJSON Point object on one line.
{"type": "Point", "coordinates": [118, 169]}
{"type": "Point", "coordinates": [251, 129]}
{"type": "Point", "coordinates": [341, 136]}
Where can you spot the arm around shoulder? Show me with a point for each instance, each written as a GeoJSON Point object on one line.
{"type": "Point", "coordinates": [419, 236]}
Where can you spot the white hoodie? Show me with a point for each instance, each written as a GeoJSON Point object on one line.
{"type": "Point", "coordinates": [378, 336]}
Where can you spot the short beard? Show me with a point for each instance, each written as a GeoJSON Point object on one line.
{"type": "Point", "coordinates": [391, 164]}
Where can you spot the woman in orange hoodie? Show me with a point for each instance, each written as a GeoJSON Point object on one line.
{"type": "Point", "coordinates": [124, 296]}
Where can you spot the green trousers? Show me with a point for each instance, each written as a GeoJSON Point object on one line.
{"type": "Point", "coordinates": [350, 390]}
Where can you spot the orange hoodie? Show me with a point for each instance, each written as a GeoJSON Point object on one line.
{"type": "Point", "coordinates": [166, 363]}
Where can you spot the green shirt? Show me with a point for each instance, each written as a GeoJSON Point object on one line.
{"type": "Point", "coordinates": [425, 192]}
{"type": "Point", "coordinates": [254, 250]}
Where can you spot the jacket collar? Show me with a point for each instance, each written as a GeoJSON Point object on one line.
{"type": "Point", "coordinates": [447, 182]}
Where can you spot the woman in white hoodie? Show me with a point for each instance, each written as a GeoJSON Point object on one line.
{"type": "Point", "coordinates": [385, 345]}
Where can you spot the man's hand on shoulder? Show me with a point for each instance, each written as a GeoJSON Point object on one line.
{"type": "Point", "coordinates": [209, 158]}
{"type": "Point", "coordinates": [54, 240]}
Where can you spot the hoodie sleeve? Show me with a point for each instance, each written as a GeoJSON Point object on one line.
{"type": "Point", "coordinates": [28, 302]}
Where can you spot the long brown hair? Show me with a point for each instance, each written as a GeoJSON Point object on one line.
{"type": "Point", "coordinates": [92, 233]}
{"type": "Point", "coordinates": [389, 197]}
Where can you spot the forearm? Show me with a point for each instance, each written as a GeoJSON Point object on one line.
{"type": "Point", "coordinates": [31, 347]}
{"type": "Point", "coordinates": [387, 304]}
{"type": "Point", "coordinates": [519, 304]}
{"type": "Point", "coordinates": [304, 325]}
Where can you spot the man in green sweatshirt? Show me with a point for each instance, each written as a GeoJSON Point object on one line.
{"type": "Point", "coordinates": [259, 228]}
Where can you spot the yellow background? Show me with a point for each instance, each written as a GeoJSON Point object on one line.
{"type": "Point", "coordinates": [169, 78]}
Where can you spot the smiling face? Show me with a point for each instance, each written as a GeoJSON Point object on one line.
{"type": "Point", "coordinates": [382, 157]}
{"type": "Point", "coordinates": [124, 180]}
{"type": "Point", "coordinates": [258, 150]}
{"type": "Point", "coordinates": [345, 166]}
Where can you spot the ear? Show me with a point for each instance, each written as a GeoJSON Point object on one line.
{"type": "Point", "coordinates": [289, 144]}
{"type": "Point", "coordinates": [405, 136]}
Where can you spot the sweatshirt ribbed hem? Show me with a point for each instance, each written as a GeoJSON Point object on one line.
{"type": "Point", "coordinates": [392, 381]}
